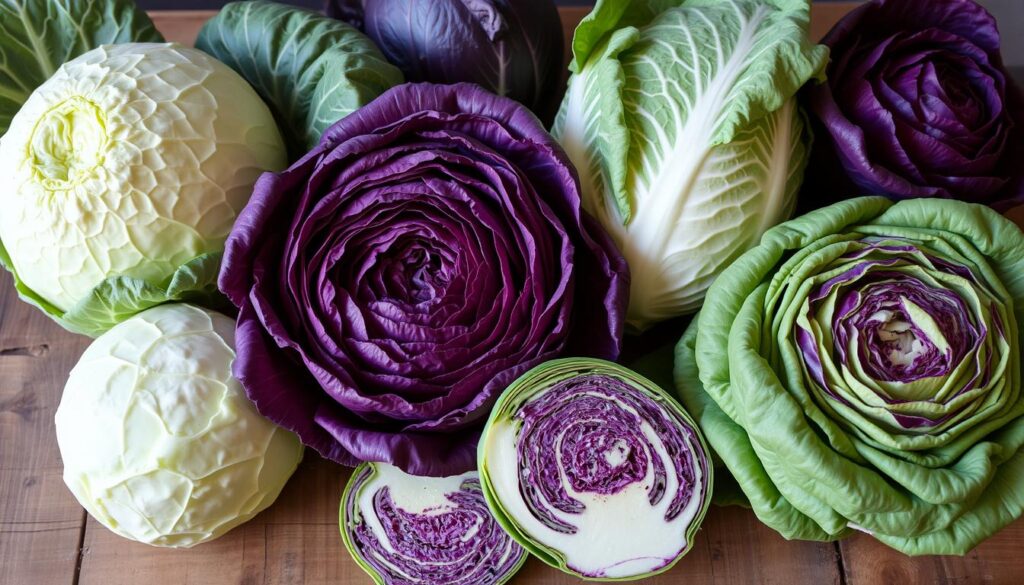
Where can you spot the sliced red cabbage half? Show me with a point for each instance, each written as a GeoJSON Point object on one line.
{"type": "Point", "coordinates": [408, 530]}
{"type": "Point", "coordinates": [595, 469]}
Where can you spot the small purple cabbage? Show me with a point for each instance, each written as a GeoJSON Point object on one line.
{"type": "Point", "coordinates": [408, 530]}
{"type": "Point", "coordinates": [394, 280]}
{"type": "Point", "coordinates": [510, 47]}
{"type": "Point", "coordinates": [919, 104]}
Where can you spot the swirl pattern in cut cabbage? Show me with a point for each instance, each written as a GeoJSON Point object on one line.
{"type": "Point", "coordinates": [595, 470]}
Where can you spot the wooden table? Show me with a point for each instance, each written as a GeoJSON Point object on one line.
{"type": "Point", "coordinates": [46, 538]}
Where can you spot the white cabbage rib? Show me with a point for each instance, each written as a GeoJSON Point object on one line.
{"type": "Point", "coordinates": [699, 151]}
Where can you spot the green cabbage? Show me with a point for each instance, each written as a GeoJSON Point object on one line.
{"type": "Point", "coordinates": [860, 370]}
{"type": "Point", "coordinates": [124, 174]}
{"type": "Point", "coordinates": [158, 440]}
{"type": "Point", "coordinates": [682, 121]}
{"type": "Point", "coordinates": [38, 36]}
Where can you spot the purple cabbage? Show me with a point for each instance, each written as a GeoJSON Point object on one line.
{"type": "Point", "coordinates": [595, 470]}
{"type": "Point", "coordinates": [407, 530]}
{"type": "Point", "coordinates": [577, 420]}
{"type": "Point", "coordinates": [919, 104]}
{"type": "Point", "coordinates": [395, 279]}
{"type": "Point", "coordinates": [510, 47]}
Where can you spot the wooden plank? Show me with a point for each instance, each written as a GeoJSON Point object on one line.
{"type": "Point", "coordinates": [238, 557]}
{"type": "Point", "coordinates": [997, 560]}
{"type": "Point", "coordinates": [180, 26]}
{"type": "Point", "coordinates": [296, 542]}
{"type": "Point", "coordinates": [40, 521]}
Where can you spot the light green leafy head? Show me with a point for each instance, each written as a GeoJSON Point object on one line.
{"type": "Point", "coordinates": [859, 369]}
{"type": "Point", "coordinates": [682, 121]}
{"type": "Point", "coordinates": [159, 442]}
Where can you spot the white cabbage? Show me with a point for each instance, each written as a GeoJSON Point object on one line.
{"type": "Point", "coordinates": [132, 160]}
{"type": "Point", "coordinates": [159, 442]}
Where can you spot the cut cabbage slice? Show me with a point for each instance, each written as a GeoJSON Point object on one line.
{"type": "Point", "coordinates": [595, 469]}
{"type": "Point", "coordinates": [404, 529]}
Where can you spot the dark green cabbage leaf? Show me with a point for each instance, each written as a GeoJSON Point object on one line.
{"type": "Point", "coordinates": [38, 36]}
{"type": "Point", "coordinates": [311, 70]}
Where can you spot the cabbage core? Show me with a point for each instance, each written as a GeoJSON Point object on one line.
{"type": "Point", "coordinates": [898, 341]}
{"type": "Point", "coordinates": [68, 144]}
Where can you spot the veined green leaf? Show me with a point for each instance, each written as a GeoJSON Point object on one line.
{"type": "Point", "coordinates": [311, 70]}
{"type": "Point", "coordinates": [119, 297]}
{"type": "Point", "coordinates": [682, 121]}
{"type": "Point", "coordinates": [38, 36]}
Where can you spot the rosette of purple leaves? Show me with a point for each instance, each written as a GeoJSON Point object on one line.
{"type": "Point", "coordinates": [394, 280]}
{"type": "Point", "coordinates": [919, 104]}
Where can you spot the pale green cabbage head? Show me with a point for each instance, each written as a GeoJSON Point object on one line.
{"type": "Point", "coordinates": [682, 121]}
{"type": "Point", "coordinates": [123, 174]}
{"type": "Point", "coordinates": [159, 442]}
{"type": "Point", "coordinates": [859, 370]}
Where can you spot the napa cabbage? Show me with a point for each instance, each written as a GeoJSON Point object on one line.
{"type": "Point", "coordinates": [682, 121]}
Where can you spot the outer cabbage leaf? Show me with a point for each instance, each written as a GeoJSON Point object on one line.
{"type": "Point", "coordinates": [682, 121]}
{"type": "Point", "coordinates": [311, 70]}
{"type": "Point", "coordinates": [860, 370]}
{"type": "Point", "coordinates": [510, 47]}
{"type": "Point", "coordinates": [120, 297]}
{"type": "Point", "coordinates": [408, 530]}
{"type": "Point", "coordinates": [38, 36]}
{"type": "Point", "coordinates": [595, 470]}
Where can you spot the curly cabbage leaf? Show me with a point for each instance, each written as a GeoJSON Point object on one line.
{"type": "Point", "coordinates": [38, 36]}
{"type": "Point", "coordinates": [682, 121]}
{"type": "Point", "coordinates": [311, 70]}
{"type": "Point", "coordinates": [595, 470]}
{"type": "Point", "coordinates": [408, 530]}
{"type": "Point", "coordinates": [860, 370]}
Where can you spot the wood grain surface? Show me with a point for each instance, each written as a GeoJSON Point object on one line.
{"type": "Point", "coordinates": [46, 538]}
